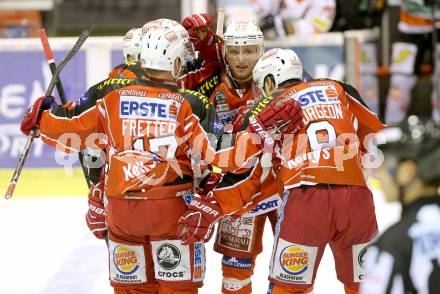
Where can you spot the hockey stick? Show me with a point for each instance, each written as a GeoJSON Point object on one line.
{"type": "Point", "coordinates": [23, 156]}
{"type": "Point", "coordinates": [220, 21]}
{"type": "Point", "coordinates": [51, 62]}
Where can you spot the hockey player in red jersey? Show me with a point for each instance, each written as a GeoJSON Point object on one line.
{"type": "Point", "coordinates": [152, 128]}
{"type": "Point", "coordinates": [325, 199]}
{"type": "Point", "coordinates": [242, 45]}
{"type": "Point", "coordinates": [321, 175]}
{"type": "Point", "coordinates": [232, 58]}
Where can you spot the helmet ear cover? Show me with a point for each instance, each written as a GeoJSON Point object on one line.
{"type": "Point", "coordinates": [131, 45]}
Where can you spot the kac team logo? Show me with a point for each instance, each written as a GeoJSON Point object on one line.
{"type": "Point", "coordinates": [168, 256]}
{"type": "Point", "coordinates": [294, 260]}
{"type": "Point", "coordinates": [125, 260]}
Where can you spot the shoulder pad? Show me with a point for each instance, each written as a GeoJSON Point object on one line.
{"type": "Point", "coordinates": [208, 85]}
{"type": "Point", "coordinates": [136, 68]}
{"type": "Point", "coordinates": [196, 99]}
{"type": "Point", "coordinates": [111, 84]}
{"type": "Point", "coordinates": [347, 87]}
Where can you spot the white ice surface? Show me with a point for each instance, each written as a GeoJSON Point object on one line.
{"type": "Point", "coordinates": [45, 247]}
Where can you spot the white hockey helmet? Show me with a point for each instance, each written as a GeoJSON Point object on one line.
{"type": "Point", "coordinates": [162, 45]}
{"type": "Point", "coordinates": [243, 33]}
{"type": "Point", "coordinates": [131, 44]}
{"type": "Point", "coordinates": [282, 64]}
{"type": "Point", "coordinates": [161, 23]}
{"type": "Point", "coordinates": [169, 24]}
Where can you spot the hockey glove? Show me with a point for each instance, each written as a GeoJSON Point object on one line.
{"type": "Point", "coordinates": [239, 117]}
{"type": "Point", "coordinates": [33, 114]}
{"type": "Point", "coordinates": [211, 182]}
{"type": "Point", "coordinates": [284, 118]}
{"type": "Point", "coordinates": [95, 217]}
{"type": "Point", "coordinates": [200, 33]}
{"type": "Point", "coordinates": [197, 223]}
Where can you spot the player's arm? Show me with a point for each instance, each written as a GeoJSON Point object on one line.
{"type": "Point", "coordinates": [367, 121]}
{"type": "Point", "coordinates": [203, 37]}
{"type": "Point", "coordinates": [205, 78]}
{"type": "Point", "coordinates": [76, 119]}
{"type": "Point", "coordinates": [238, 190]}
{"type": "Point", "coordinates": [68, 134]}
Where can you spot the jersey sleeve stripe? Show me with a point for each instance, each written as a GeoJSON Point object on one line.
{"type": "Point", "coordinates": [59, 143]}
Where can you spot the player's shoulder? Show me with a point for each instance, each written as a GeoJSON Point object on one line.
{"type": "Point", "coordinates": [195, 99]}
{"type": "Point", "coordinates": [136, 69]}
{"type": "Point", "coordinates": [340, 85]}
{"type": "Point", "coordinates": [108, 85]}
{"type": "Point", "coordinates": [345, 86]}
{"type": "Point", "coordinates": [129, 70]}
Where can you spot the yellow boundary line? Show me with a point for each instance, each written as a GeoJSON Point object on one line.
{"type": "Point", "coordinates": [45, 182]}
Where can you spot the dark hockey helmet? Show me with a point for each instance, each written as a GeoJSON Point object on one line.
{"type": "Point", "coordinates": [417, 139]}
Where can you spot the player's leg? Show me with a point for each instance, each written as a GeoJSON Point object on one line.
{"type": "Point", "coordinates": [145, 290]}
{"type": "Point", "coordinates": [278, 289]}
{"type": "Point", "coordinates": [357, 228]}
{"type": "Point", "coordinates": [273, 218]}
{"type": "Point", "coordinates": [164, 289]}
{"type": "Point", "coordinates": [131, 266]}
{"type": "Point", "coordinates": [179, 269]}
{"type": "Point", "coordinates": [406, 58]}
{"type": "Point", "coordinates": [300, 239]}
{"type": "Point", "coordinates": [239, 239]}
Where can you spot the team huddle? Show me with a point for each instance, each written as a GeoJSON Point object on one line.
{"type": "Point", "coordinates": [233, 136]}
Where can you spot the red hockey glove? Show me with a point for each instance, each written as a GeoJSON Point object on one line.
{"type": "Point", "coordinates": [95, 217]}
{"type": "Point", "coordinates": [238, 119]}
{"type": "Point", "coordinates": [197, 223]}
{"type": "Point", "coordinates": [214, 178]}
{"type": "Point", "coordinates": [285, 118]}
{"type": "Point", "coordinates": [32, 115]}
{"type": "Point", "coordinates": [200, 33]}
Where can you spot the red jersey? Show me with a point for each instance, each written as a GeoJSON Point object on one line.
{"type": "Point", "coordinates": [213, 81]}
{"type": "Point", "coordinates": [227, 99]}
{"type": "Point", "coordinates": [328, 148]}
